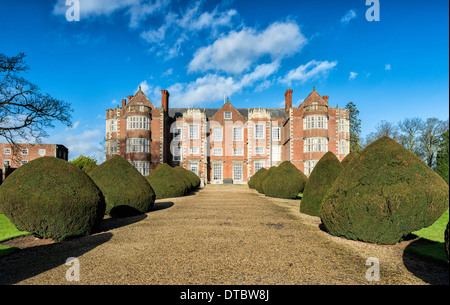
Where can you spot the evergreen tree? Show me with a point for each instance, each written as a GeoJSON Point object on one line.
{"type": "Point", "coordinates": [442, 166]}
{"type": "Point", "coordinates": [355, 128]}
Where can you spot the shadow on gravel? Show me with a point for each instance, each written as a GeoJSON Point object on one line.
{"type": "Point", "coordinates": [161, 206]}
{"type": "Point", "coordinates": [114, 223]}
{"type": "Point", "coordinates": [32, 261]}
{"type": "Point", "coordinates": [429, 270]}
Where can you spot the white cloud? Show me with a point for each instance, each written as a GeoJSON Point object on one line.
{"type": "Point", "coordinates": [310, 71]}
{"type": "Point", "coordinates": [152, 92]}
{"type": "Point", "coordinates": [238, 51]}
{"type": "Point", "coordinates": [353, 75]}
{"type": "Point", "coordinates": [351, 14]}
{"type": "Point", "coordinates": [74, 126]}
{"type": "Point", "coordinates": [387, 67]}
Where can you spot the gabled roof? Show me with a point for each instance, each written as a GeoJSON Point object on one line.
{"type": "Point", "coordinates": [313, 97]}
{"type": "Point", "coordinates": [141, 99]}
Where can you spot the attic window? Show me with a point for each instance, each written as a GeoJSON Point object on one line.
{"type": "Point", "coordinates": [227, 115]}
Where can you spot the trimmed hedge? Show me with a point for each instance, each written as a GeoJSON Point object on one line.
{"type": "Point", "coordinates": [89, 167]}
{"type": "Point", "coordinates": [320, 181]}
{"type": "Point", "coordinates": [383, 195]}
{"type": "Point", "coordinates": [446, 242]}
{"type": "Point", "coordinates": [260, 180]}
{"type": "Point", "coordinates": [348, 158]}
{"type": "Point", "coordinates": [167, 182]}
{"type": "Point", "coordinates": [52, 198]}
{"type": "Point", "coordinates": [126, 191]}
{"type": "Point", "coordinates": [284, 181]}
{"type": "Point", "coordinates": [255, 177]}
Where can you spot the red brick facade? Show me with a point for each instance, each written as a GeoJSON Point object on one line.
{"type": "Point", "coordinates": [226, 145]}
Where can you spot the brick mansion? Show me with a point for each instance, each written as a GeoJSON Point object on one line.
{"type": "Point", "coordinates": [227, 144]}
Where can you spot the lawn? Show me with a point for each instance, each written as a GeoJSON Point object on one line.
{"type": "Point", "coordinates": [8, 231]}
{"type": "Point", "coordinates": [436, 234]}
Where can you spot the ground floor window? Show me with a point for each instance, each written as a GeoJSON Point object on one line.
{"type": "Point", "coordinates": [238, 172]}
{"type": "Point", "coordinates": [258, 165]}
{"type": "Point", "coordinates": [309, 166]}
{"type": "Point", "coordinates": [193, 167]}
{"type": "Point", "coordinates": [142, 166]}
{"type": "Point", "coordinates": [217, 171]}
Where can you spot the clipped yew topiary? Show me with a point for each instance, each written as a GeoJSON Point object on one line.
{"type": "Point", "coordinates": [261, 178]}
{"type": "Point", "coordinates": [52, 198]}
{"type": "Point", "coordinates": [166, 182]}
{"type": "Point", "coordinates": [383, 195]}
{"type": "Point", "coordinates": [255, 177]}
{"type": "Point", "coordinates": [126, 191]}
{"type": "Point", "coordinates": [183, 175]}
{"type": "Point", "coordinates": [446, 242]}
{"type": "Point", "coordinates": [284, 181]}
{"type": "Point", "coordinates": [89, 167]}
{"type": "Point", "coordinates": [320, 181]}
{"type": "Point", "coordinates": [348, 158]}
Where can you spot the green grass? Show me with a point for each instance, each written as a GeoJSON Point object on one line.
{"type": "Point", "coordinates": [434, 233]}
{"type": "Point", "coordinates": [8, 231]}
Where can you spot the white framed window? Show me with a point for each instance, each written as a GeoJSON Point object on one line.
{"type": "Point", "coordinates": [316, 144]}
{"type": "Point", "coordinates": [259, 131]}
{"type": "Point", "coordinates": [193, 132]}
{"type": "Point", "coordinates": [41, 152]}
{"type": "Point", "coordinates": [113, 125]}
{"type": "Point", "coordinates": [276, 153]}
{"type": "Point", "coordinates": [238, 134]}
{"type": "Point", "coordinates": [24, 162]}
{"type": "Point", "coordinates": [259, 150]}
{"type": "Point", "coordinates": [315, 122]}
{"type": "Point", "coordinates": [227, 115]}
{"type": "Point", "coordinates": [7, 151]}
{"type": "Point", "coordinates": [258, 165]}
{"type": "Point", "coordinates": [217, 152]}
{"type": "Point", "coordinates": [238, 172]}
{"type": "Point", "coordinates": [218, 134]}
{"type": "Point", "coordinates": [137, 145]}
{"type": "Point", "coordinates": [217, 171]}
{"type": "Point", "coordinates": [138, 122]}
{"type": "Point", "coordinates": [309, 166]}
{"type": "Point", "coordinates": [343, 125]}
{"type": "Point", "coordinates": [276, 133]}
{"type": "Point", "coordinates": [112, 147]}
{"type": "Point", "coordinates": [193, 167]}
{"type": "Point", "coordinates": [194, 150]}
{"type": "Point", "coordinates": [142, 166]}
{"type": "Point", "coordinates": [344, 147]}
{"type": "Point", "coordinates": [238, 152]}
{"type": "Point", "coordinates": [25, 151]}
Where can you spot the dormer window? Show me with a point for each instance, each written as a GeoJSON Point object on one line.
{"type": "Point", "coordinates": [227, 115]}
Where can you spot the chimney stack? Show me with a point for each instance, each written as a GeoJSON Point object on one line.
{"type": "Point", "coordinates": [325, 98]}
{"type": "Point", "coordinates": [288, 99]}
{"type": "Point", "coordinates": [124, 102]}
{"type": "Point", "coordinates": [129, 98]}
{"type": "Point", "coordinates": [165, 100]}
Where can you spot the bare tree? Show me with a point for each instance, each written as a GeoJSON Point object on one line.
{"type": "Point", "coordinates": [384, 129]}
{"type": "Point", "coordinates": [410, 130]}
{"type": "Point", "coordinates": [430, 138]}
{"type": "Point", "coordinates": [25, 112]}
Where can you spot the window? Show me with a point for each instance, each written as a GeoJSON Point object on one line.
{"type": "Point", "coordinates": [112, 147]}
{"type": "Point", "coordinates": [142, 166]}
{"type": "Point", "coordinates": [176, 152]}
{"type": "Point", "coordinates": [237, 172]}
{"type": "Point", "coordinates": [193, 167]}
{"type": "Point", "coordinates": [227, 115]}
{"type": "Point", "coordinates": [343, 125]}
{"type": "Point", "coordinates": [41, 152]}
{"type": "Point", "coordinates": [138, 145]}
{"type": "Point", "coordinates": [7, 151]}
{"type": "Point", "coordinates": [217, 152]}
{"type": "Point", "coordinates": [138, 122]}
{"type": "Point", "coordinates": [315, 121]}
{"type": "Point", "coordinates": [259, 150]}
{"type": "Point", "coordinates": [218, 134]}
{"type": "Point", "coordinates": [193, 131]}
{"type": "Point", "coordinates": [316, 145]}
{"type": "Point", "coordinates": [194, 150]}
{"type": "Point", "coordinates": [25, 151]}
{"type": "Point", "coordinates": [259, 131]}
{"type": "Point", "coordinates": [7, 163]}
{"type": "Point", "coordinates": [309, 166]}
{"type": "Point", "coordinates": [276, 153]}
{"type": "Point", "coordinates": [276, 133]}
{"type": "Point", "coordinates": [238, 134]}
{"type": "Point", "coordinates": [217, 171]}
{"type": "Point", "coordinates": [113, 125]}
{"type": "Point", "coordinates": [344, 147]}
{"type": "Point", "coordinates": [258, 165]}
{"type": "Point", "coordinates": [238, 152]}
{"type": "Point", "coordinates": [24, 162]}
{"type": "Point", "coordinates": [177, 134]}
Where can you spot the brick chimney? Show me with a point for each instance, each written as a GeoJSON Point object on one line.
{"type": "Point", "coordinates": [288, 99]}
{"type": "Point", "coordinates": [165, 100]}
{"type": "Point", "coordinates": [325, 98]}
{"type": "Point", "coordinates": [124, 102]}
{"type": "Point", "coordinates": [129, 98]}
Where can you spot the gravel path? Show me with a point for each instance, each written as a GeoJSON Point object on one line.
{"type": "Point", "coordinates": [220, 235]}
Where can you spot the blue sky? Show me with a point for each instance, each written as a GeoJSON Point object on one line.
{"type": "Point", "coordinates": [251, 51]}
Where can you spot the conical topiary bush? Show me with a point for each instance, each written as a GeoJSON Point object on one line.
{"type": "Point", "coordinates": [284, 181]}
{"type": "Point", "coordinates": [126, 191]}
{"type": "Point", "coordinates": [52, 198]}
{"type": "Point", "coordinates": [348, 158]}
{"type": "Point", "coordinates": [383, 195]}
{"type": "Point", "coordinates": [255, 177]}
{"type": "Point", "coordinates": [166, 182]}
{"type": "Point", "coordinates": [320, 181]}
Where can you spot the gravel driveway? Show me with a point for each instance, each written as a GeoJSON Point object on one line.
{"type": "Point", "coordinates": [220, 235]}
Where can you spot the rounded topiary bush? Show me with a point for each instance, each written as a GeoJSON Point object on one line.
{"type": "Point", "coordinates": [195, 180]}
{"type": "Point", "coordinates": [52, 198]}
{"type": "Point", "coordinates": [255, 177]}
{"type": "Point", "coordinates": [261, 178]}
{"type": "Point", "coordinates": [89, 167]}
{"type": "Point", "coordinates": [126, 191]}
{"type": "Point", "coordinates": [383, 195]}
{"type": "Point", "coordinates": [348, 158]}
{"type": "Point", "coordinates": [183, 175]}
{"type": "Point", "coordinates": [284, 181]}
{"type": "Point", "coordinates": [166, 182]}
{"type": "Point", "coordinates": [320, 181]}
